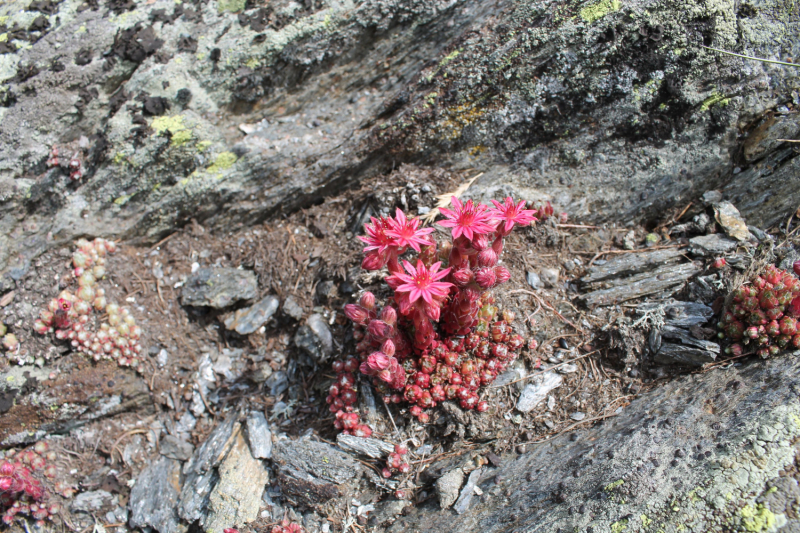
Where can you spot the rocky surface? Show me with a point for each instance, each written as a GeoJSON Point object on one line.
{"type": "Point", "coordinates": [702, 453]}
{"type": "Point", "coordinates": [228, 114]}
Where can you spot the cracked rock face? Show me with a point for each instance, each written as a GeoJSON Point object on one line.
{"type": "Point", "coordinates": [229, 115]}
{"type": "Point", "coordinates": [707, 452]}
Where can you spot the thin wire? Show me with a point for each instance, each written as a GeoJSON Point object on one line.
{"type": "Point", "coordinates": [784, 63]}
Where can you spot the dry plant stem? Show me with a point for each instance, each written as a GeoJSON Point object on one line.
{"type": "Point", "coordinates": [576, 226]}
{"type": "Point", "coordinates": [121, 437]}
{"type": "Point", "coordinates": [550, 307]}
{"type": "Point", "coordinates": [784, 63]}
{"type": "Point", "coordinates": [544, 370]}
{"type": "Point", "coordinates": [390, 415]}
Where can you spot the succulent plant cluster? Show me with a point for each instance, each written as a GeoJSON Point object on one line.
{"type": "Point", "coordinates": [69, 316]}
{"type": "Point", "coordinates": [440, 337]}
{"type": "Point", "coordinates": [24, 477]}
{"type": "Point", "coordinates": [764, 314]}
{"type": "Point", "coordinates": [396, 462]}
{"type": "Point", "coordinates": [287, 527]}
{"type": "Point", "coordinates": [8, 340]}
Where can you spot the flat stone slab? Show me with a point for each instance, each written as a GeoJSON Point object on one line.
{"type": "Point", "coordinates": [154, 497]}
{"type": "Point", "coordinates": [713, 244]}
{"type": "Point", "coordinates": [237, 496]}
{"type": "Point", "coordinates": [248, 320]}
{"type": "Point", "coordinates": [219, 287]}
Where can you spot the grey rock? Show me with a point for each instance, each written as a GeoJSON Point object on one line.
{"type": "Point", "coordinates": [629, 264]}
{"type": "Point", "coordinates": [277, 383]}
{"type": "Point", "coordinates": [292, 308]}
{"type": "Point", "coordinates": [262, 373]}
{"type": "Point", "coordinates": [732, 223]}
{"type": "Point", "coordinates": [201, 473]}
{"type": "Point", "coordinates": [327, 291]}
{"type": "Point", "coordinates": [680, 314]}
{"type": "Point", "coordinates": [175, 448]}
{"type": "Point", "coordinates": [248, 320]}
{"type": "Point", "coordinates": [759, 234]}
{"type": "Point", "coordinates": [462, 504]}
{"type": "Point", "coordinates": [375, 448]}
{"type": "Point", "coordinates": [655, 425]}
{"type": "Point", "coordinates": [568, 368]}
{"type": "Point", "coordinates": [536, 392]}
{"type": "Point", "coordinates": [577, 416]}
{"type": "Point", "coordinates": [678, 354]}
{"type": "Point", "coordinates": [219, 287]}
{"type": "Point", "coordinates": [712, 197]}
{"type": "Point", "coordinates": [388, 510]}
{"type": "Point", "coordinates": [236, 498]}
{"type": "Point", "coordinates": [154, 497]}
{"type": "Point", "coordinates": [259, 435]}
{"type": "Point", "coordinates": [315, 338]}
{"type": "Point", "coordinates": [550, 277]}
{"type": "Point", "coordinates": [91, 502]}
{"type": "Point", "coordinates": [314, 473]}
{"type": "Point", "coordinates": [629, 240]}
{"type": "Point", "coordinates": [663, 280]}
{"type": "Point", "coordinates": [534, 280]}
{"type": "Point", "coordinates": [448, 487]}
{"type": "Point", "coordinates": [713, 244]}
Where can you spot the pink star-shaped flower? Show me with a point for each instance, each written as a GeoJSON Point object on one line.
{"type": "Point", "coordinates": [377, 239]}
{"type": "Point", "coordinates": [421, 283]}
{"type": "Point", "coordinates": [510, 214]}
{"type": "Point", "coordinates": [406, 231]}
{"type": "Point", "coordinates": [467, 219]}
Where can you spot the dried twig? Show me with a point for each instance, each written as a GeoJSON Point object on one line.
{"type": "Point", "coordinates": [550, 307]}
{"type": "Point", "coordinates": [774, 62]}
{"type": "Point", "coordinates": [544, 370]}
{"type": "Point", "coordinates": [444, 199]}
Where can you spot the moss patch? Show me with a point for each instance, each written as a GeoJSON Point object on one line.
{"type": "Point", "coordinates": [599, 10]}
{"type": "Point", "coordinates": [714, 99]}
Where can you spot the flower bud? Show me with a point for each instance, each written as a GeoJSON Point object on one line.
{"type": "Point", "coordinates": [388, 347]}
{"type": "Point", "coordinates": [480, 242]}
{"type": "Point", "coordinates": [379, 330]}
{"type": "Point", "coordinates": [485, 277]}
{"type": "Point", "coordinates": [373, 261]}
{"type": "Point", "coordinates": [389, 315]}
{"type": "Point", "coordinates": [356, 313]}
{"type": "Point", "coordinates": [487, 258]}
{"type": "Point", "coordinates": [378, 361]}
{"type": "Point", "coordinates": [463, 276]}
{"type": "Point", "coordinates": [367, 301]}
{"type": "Point", "coordinates": [502, 274]}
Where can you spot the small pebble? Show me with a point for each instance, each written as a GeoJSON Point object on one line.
{"type": "Point", "coordinates": [578, 416]}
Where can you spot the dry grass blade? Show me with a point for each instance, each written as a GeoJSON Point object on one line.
{"type": "Point", "coordinates": [774, 62]}
{"type": "Point", "coordinates": [444, 199]}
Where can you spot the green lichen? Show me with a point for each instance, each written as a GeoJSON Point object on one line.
{"type": "Point", "coordinates": [617, 527]}
{"type": "Point", "coordinates": [202, 146]}
{"type": "Point", "coordinates": [714, 99]}
{"type": "Point", "coordinates": [645, 521]}
{"type": "Point", "coordinates": [231, 5]}
{"type": "Point", "coordinates": [122, 200]}
{"type": "Point", "coordinates": [3, 37]}
{"type": "Point", "coordinates": [612, 486]}
{"type": "Point", "coordinates": [224, 161]}
{"type": "Point", "coordinates": [599, 10]}
{"type": "Point", "coordinates": [757, 519]}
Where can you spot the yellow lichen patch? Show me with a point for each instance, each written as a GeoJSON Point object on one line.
{"type": "Point", "coordinates": [599, 10]}
{"type": "Point", "coordinates": [174, 125]}
{"type": "Point", "coordinates": [612, 486]}
{"type": "Point", "coordinates": [645, 521]}
{"type": "Point", "coordinates": [622, 525]}
{"type": "Point", "coordinates": [224, 161]}
{"type": "Point", "coordinates": [252, 63]}
{"type": "Point", "coordinates": [122, 200]}
{"type": "Point", "coordinates": [230, 5]}
{"type": "Point", "coordinates": [3, 37]}
{"type": "Point", "coordinates": [757, 519]}
{"type": "Point", "coordinates": [714, 99]}
{"type": "Point", "coordinates": [449, 57]}
{"type": "Point", "coordinates": [459, 117]}
{"type": "Point", "coordinates": [202, 146]}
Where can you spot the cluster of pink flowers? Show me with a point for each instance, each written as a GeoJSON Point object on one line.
{"type": "Point", "coordinates": [22, 491]}
{"type": "Point", "coordinates": [764, 313]}
{"type": "Point", "coordinates": [75, 165]}
{"type": "Point", "coordinates": [431, 342]}
{"type": "Point", "coordinates": [69, 316]}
